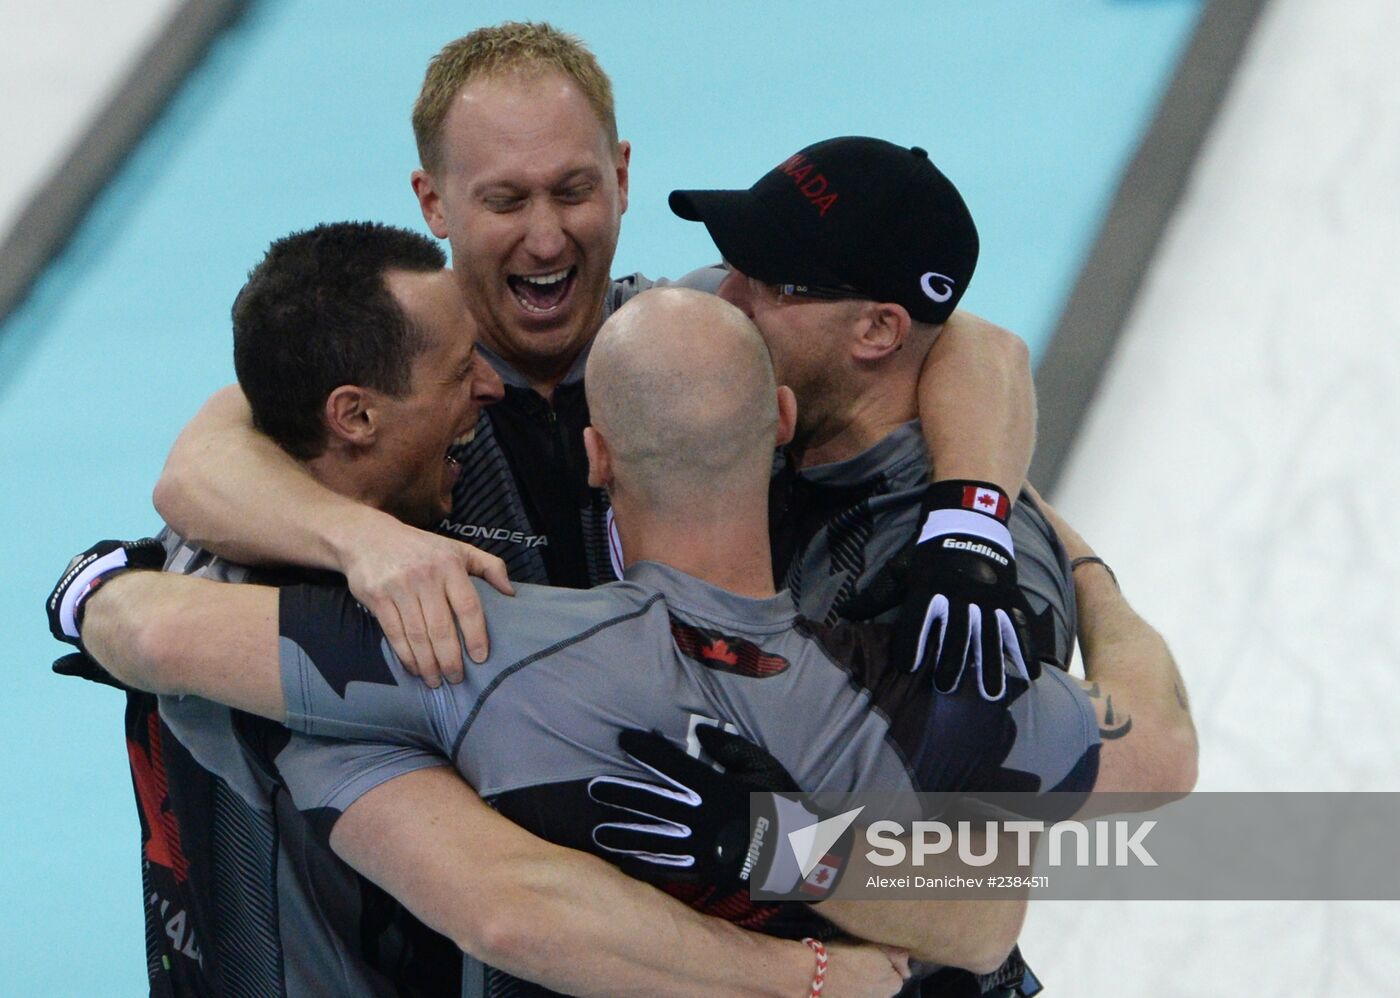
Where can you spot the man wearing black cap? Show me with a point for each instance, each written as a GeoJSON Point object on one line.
{"type": "Point", "coordinates": [850, 257]}
{"type": "Point", "coordinates": [861, 236]}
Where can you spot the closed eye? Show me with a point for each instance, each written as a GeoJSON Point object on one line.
{"type": "Point", "coordinates": [502, 204]}
{"type": "Point", "coordinates": [576, 194]}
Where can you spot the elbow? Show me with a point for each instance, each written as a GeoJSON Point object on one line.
{"type": "Point", "coordinates": [987, 960]}
{"type": "Point", "coordinates": [170, 496]}
{"type": "Point", "coordinates": [166, 493]}
{"type": "Point", "coordinates": [1182, 762]}
{"type": "Point", "coordinates": [506, 931]}
{"type": "Point", "coordinates": [532, 907]}
{"type": "Point", "coordinates": [993, 950]}
{"type": "Point", "coordinates": [980, 959]}
{"type": "Point", "coordinates": [986, 954]}
{"type": "Point", "coordinates": [1169, 769]}
{"type": "Point", "coordinates": [1003, 348]}
{"type": "Point", "coordinates": [984, 949]}
{"type": "Point", "coordinates": [177, 493]}
{"type": "Point", "coordinates": [133, 647]}
{"type": "Point", "coordinates": [159, 652]}
{"type": "Point", "coordinates": [1014, 351]}
{"type": "Point", "coordinates": [498, 935]}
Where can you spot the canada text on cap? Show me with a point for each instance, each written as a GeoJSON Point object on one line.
{"type": "Point", "coordinates": [852, 212]}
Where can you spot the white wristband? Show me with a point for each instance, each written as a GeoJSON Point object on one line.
{"type": "Point", "coordinates": [964, 521]}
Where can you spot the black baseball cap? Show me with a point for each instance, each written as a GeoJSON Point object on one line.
{"type": "Point", "coordinates": [850, 212]}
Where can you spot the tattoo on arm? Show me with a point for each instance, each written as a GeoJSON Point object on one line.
{"type": "Point", "coordinates": [1115, 724]}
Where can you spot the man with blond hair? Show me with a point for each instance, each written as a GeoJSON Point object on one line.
{"type": "Point", "coordinates": [522, 171]}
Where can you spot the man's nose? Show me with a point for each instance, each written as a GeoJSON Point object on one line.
{"type": "Point", "coordinates": [735, 290]}
{"type": "Point", "coordinates": [544, 235]}
{"type": "Point", "coordinates": [486, 383]}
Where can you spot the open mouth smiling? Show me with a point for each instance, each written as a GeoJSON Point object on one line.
{"type": "Point", "coordinates": [542, 294]}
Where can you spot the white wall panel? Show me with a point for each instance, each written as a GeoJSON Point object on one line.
{"type": "Point", "coordinates": [60, 61]}
{"type": "Point", "coordinates": [1239, 470]}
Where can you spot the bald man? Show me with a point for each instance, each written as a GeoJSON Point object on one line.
{"type": "Point", "coordinates": [695, 634]}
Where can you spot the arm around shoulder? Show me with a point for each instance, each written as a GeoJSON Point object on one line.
{"type": "Point", "coordinates": [229, 488]}
{"type": "Point", "coordinates": [1149, 743]}
{"type": "Point", "coordinates": [555, 916]}
{"type": "Point", "coordinates": [173, 634]}
{"type": "Point", "coordinates": [977, 403]}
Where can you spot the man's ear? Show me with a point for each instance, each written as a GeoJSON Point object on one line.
{"type": "Point", "coordinates": [881, 330]}
{"type": "Point", "coordinates": [352, 415]}
{"type": "Point", "coordinates": [787, 415]}
{"type": "Point", "coordinates": [623, 161]}
{"type": "Point", "coordinates": [429, 203]}
{"type": "Point", "coordinates": [600, 470]}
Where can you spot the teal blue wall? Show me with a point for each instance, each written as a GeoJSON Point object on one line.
{"type": "Point", "coordinates": [300, 115]}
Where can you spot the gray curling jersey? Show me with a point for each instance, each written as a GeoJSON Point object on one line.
{"type": "Point", "coordinates": [276, 912]}
{"type": "Point", "coordinates": [664, 651]}
{"type": "Point", "coordinates": [842, 532]}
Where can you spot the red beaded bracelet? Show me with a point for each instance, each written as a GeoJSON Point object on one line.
{"type": "Point", "coordinates": [819, 975]}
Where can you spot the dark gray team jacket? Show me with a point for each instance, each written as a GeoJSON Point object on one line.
{"type": "Point", "coordinates": [244, 885]}
{"type": "Point", "coordinates": [842, 536]}
{"type": "Point", "coordinates": [662, 651]}
{"type": "Point", "coordinates": [838, 527]}
{"type": "Point", "coordinates": [525, 496]}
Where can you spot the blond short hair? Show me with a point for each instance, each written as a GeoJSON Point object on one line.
{"type": "Point", "coordinates": [510, 47]}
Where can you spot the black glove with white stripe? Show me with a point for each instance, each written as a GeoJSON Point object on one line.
{"type": "Point", "coordinates": [84, 575]}
{"type": "Point", "coordinates": [959, 619]}
{"type": "Point", "coordinates": [87, 572]}
{"type": "Point", "coordinates": [697, 824]}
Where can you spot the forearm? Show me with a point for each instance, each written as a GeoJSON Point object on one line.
{"type": "Point", "coordinates": [1130, 669]}
{"type": "Point", "coordinates": [559, 917]}
{"type": "Point", "coordinates": [973, 934]}
{"type": "Point", "coordinates": [977, 404]}
{"type": "Point", "coordinates": [178, 635]}
{"type": "Point", "coordinates": [622, 937]}
{"type": "Point", "coordinates": [1149, 742]}
{"type": "Point", "coordinates": [229, 488]}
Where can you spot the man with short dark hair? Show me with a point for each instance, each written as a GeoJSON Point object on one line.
{"type": "Point", "coordinates": [343, 337]}
{"type": "Point", "coordinates": [330, 277]}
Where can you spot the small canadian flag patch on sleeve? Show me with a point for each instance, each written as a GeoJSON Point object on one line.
{"type": "Point", "coordinates": [989, 501]}
{"type": "Point", "coordinates": [823, 876]}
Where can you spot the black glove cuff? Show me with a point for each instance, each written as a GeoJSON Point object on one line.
{"type": "Point", "coordinates": [960, 493]}
{"type": "Point", "coordinates": [778, 855]}
{"type": "Point", "coordinates": [87, 573]}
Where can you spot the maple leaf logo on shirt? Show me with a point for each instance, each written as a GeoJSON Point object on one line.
{"type": "Point", "coordinates": [726, 652]}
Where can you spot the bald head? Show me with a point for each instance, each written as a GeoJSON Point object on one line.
{"type": "Point", "coordinates": [681, 388]}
